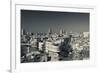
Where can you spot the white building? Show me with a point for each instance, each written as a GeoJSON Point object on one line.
{"type": "Point", "coordinates": [41, 46]}
{"type": "Point", "coordinates": [50, 47]}
{"type": "Point", "coordinates": [86, 34]}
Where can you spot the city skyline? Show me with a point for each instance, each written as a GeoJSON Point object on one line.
{"type": "Point", "coordinates": [41, 21]}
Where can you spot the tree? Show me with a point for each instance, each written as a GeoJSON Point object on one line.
{"type": "Point", "coordinates": [65, 50]}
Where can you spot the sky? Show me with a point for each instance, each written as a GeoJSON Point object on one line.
{"type": "Point", "coordinates": [41, 21]}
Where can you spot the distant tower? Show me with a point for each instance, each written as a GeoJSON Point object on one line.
{"type": "Point", "coordinates": [61, 32]}
{"type": "Point", "coordinates": [64, 31]}
{"type": "Point", "coordinates": [49, 31]}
